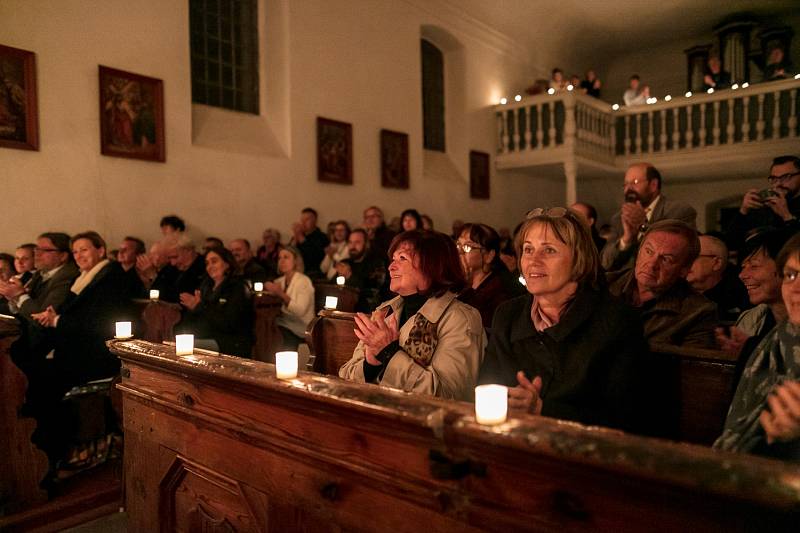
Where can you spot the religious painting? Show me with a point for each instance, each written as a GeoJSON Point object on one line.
{"type": "Point", "coordinates": [19, 119]}
{"type": "Point", "coordinates": [394, 159]}
{"type": "Point", "coordinates": [334, 151]}
{"type": "Point", "coordinates": [131, 115]}
{"type": "Point", "coordinates": [478, 174]}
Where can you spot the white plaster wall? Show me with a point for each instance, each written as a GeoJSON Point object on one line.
{"type": "Point", "coordinates": [350, 60]}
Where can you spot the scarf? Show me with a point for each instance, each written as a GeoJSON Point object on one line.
{"type": "Point", "coordinates": [86, 277]}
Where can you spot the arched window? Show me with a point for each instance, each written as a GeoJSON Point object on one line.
{"type": "Point", "coordinates": [224, 47]}
{"type": "Point", "coordinates": [432, 96]}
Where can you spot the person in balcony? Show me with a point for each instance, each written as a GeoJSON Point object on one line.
{"type": "Point", "coordinates": [643, 205]}
{"type": "Point", "coordinates": [777, 206]}
{"type": "Point", "coordinates": [636, 94]}
{"type": "Point", "coordinates": [591, 84]}
{"type": "Point", "coordinates": [716, 78]}
{"type": "Point", "coordinates": [557, 81]}
{"type": "Point", "coordinates": [777, 68]}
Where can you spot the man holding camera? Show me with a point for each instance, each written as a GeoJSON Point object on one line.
{"type": "Point", "coordinates": [644, 205]}
{"type": "Point", "coordinates": [777, 206]}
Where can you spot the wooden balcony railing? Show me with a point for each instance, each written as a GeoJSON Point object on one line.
{"type": "Point", "coordinates": [539, 129]}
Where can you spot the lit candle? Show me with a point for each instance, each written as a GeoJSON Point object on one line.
{"type": "Point", "coordinates": [286, 365]}
{"type": "Point", "coordinates": [340, 280]}
{"type": "Point", "coordinates": [331, 302]}
{"type": "Point", "coordinates": [258, 286]}
{"type": "Point", "coordinates": [154, 294]}
{"type": "Point", "coordinates": [184, 344]}
{"type": "Point", "coordinates": [123, 330]}
{"type": "Point", "coordinates": [491, 404]}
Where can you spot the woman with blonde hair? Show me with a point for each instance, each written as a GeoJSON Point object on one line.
{"type": "Point", "coordinates": [297, 293]}
{"type": "Point", "coordinates": [567, 349]}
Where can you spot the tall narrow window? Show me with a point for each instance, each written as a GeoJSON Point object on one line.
{"type": "Point", "coordinates": [432, 96]}
{"type": "Point", "coordinates": [224, 47]}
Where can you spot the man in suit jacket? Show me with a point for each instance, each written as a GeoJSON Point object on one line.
{"type": "Point", "coordinates": [644, 205]}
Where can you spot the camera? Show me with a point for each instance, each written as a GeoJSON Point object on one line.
{"type": "Point", "coordinates": [766, 193]}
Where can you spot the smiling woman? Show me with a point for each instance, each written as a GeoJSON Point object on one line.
{"type": "Point", "coordinates": [567, 349]}
{"type": "Point", "coordinates": [424, 340]}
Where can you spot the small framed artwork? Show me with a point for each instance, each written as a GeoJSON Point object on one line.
{"type": "Point", "coordinates": [394, 159]}
{"type": "Point", "coordinates": [19, 117]}
{"type": "Point", "coordinates": [478, 174]}
{"type": "Point", "coordinates": [131, 115]}
{"type": "Point", "coordinates": [334, 151]}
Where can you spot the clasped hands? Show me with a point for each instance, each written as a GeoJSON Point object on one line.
{"type": "Point", "coordinates": [781, 422]}
{"type": "Point", "coordinates": [526, 396]}
{"type": "Point", "coordinates": [633, 217]}
{"type": "Point", "coordinates": [46, 318]}
{"type": "Point", "coordinates": [376, 332]}
{"type": "Point", "coordinates": [190, 301]}
{"type": "Point", "coordinates": [11, 289]}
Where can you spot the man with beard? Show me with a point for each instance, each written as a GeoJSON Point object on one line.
{"type": "Point", "coordinates": [362, 270]}
{"type": "Point", "coordinates": [643, 205]}
{"type": "Point", "coordinates": [777, 206]}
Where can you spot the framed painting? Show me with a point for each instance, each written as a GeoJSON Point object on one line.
{"type": "Point", "coordinates": [19, 117]}
{"type": "Point", "coordinates": [131, 115]}
{"type": "Point", "coordinates": [394, 159]}
{"type": "Point", "coordinates": [478, 175]}
{"type": "Point", "coordinates": [334, 151]}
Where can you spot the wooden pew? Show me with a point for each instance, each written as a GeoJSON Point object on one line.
{"type": "Point", "coordinates": [347, 296]}
{"type": "Point", "coordinates": [331, 341]}
{"type": "Point", "coordinates": [22, 465]}
{"type": "Point", "coordinates": [268, 337]}
{"type": "Point", "coordinates": [158, 319]}
{"type": "Point", "coordinates": [699, 386]}
{"type": "Point", "coordinates": [218, 443]}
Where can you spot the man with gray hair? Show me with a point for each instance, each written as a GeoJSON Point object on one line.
{"type": "Point", "coordinates": [191, 266]}
{"type": "Point", "coordinates": [671, 312]}
{"type": "Point", "coordinates": [714, 278]}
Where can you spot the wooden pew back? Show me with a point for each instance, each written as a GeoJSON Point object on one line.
{"type": "Point", "coordinates": [347, 296]}
{"type": "Point", "coordinates": [331, 340]}
{"type": "Point", "coordinates": [219, 443]}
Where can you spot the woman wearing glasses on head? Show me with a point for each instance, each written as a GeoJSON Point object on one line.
{"type": "Point", "coordinates": [567, 349]}
{"type": "Point", "coordinates": [479, 251]}
{"type": "Point", "coordinates": [764, 418]}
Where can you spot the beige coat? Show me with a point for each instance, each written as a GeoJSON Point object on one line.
{"type": "Point", "coordinates": [453, 369]}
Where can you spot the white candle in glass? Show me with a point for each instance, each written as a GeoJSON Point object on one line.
{"type": "Point", "coordinates": [331, 302]}
{"type": "Point", "coordinates": [258, 286]}
{"type": "Point", "coordinates": [491, 404]}
{"type": "Point", "coordinates": [154, 294]}
{"type": "Point", "coordinates": [184, 344]}
{"type": "Point", "coordinates": [123, 330]}
{"type": "Point", "coordinates": [286, 365]}
{"type": "Point", "coordinates": [340, 280]}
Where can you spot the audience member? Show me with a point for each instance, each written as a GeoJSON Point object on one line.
{"type": "Point", "coordinates": [575, 81]}
{"type": "Point", "coordinates": [297, 293]}
{"type": "Point", "coordinates": [337, 250]}
{"type": "Point", "coordinates": [557, 81]}
{"type": "Point", "coordinates": [24, 263]}
{"type": "Point", "coordinates": [267, 253]}
{"type": "Point", "coordinates": [427, 222]}
{"type": "Point", "coordinates": [457, 227]}
{"type": "Point", "coordinates": [221, 308]}
{"type": "Point", "coordinates": [716, 78]}
{"type": "Point", "coordinates": [776, 67]}
{"type": "Point", "coordinates": [634, 94]}
{"type": "Point", "coordinates": [712, 276]}
{"type": "Point", "coordinates": [212, 242]}
{"type": "Point", "coordinates": [567, 349]}
{"type": "Point", "coordinates": [424, 340]}
{"type": "Point", "coordinates": [410, 220]}
{"type": "Point", "coordinates": [191, 267]}
{"type": "Point", "coordinates": [310, 240]}
{"type": "Point", "coordinates": [380, 236]}
{"type": "Point", "coordinates": [764, 417]}
{"type": "Point", "coordinates": [156, 272]}
{"type": "Point", "coordinates": [643, 204]}
{"type": "Point", "coordinates": [672, 313]}
{"type": "Point", "coordinates": [246, 265]}
{"type": "Point", "coordinates": [362, 270]}
{"type": "Point", "coordinates": [777, 206]}
{"type": "Point", "coordinates": [590, 216]}
{"type": "Point", "coordinates": [479, 250]}
{"type": "Point", "coordinates": [6, 272]}
{"type": "Point", "coordinates": [761, 277]}
{"type": "Point", "coordinates": [129, 251]}
{"type": "Point", "coordinates": [591, 84]}
{"type": "Point", "coordinates": [172, 224]}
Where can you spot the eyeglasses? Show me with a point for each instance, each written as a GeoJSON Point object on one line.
{"type": "Point", "coordinates": [633, 183]}
{"type": "Point", "coordinates": [467, 248]}
{"type": "Point", "coordinates": [43, 250]}
{"type": "Point", "coordinates": [782, 178]}
{"type": "Point", "coordinates": [707, 255]}
{"type": "Point", "coordinates": [552, 212]}
{"type": "Point", "coordinates": [790, 275]}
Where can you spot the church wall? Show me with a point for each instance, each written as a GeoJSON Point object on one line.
{"type": "Point", "coordinates": [354, 61]}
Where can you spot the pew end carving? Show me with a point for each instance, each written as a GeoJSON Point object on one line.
{"type": "Point", "coordinates": [331, 341]}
